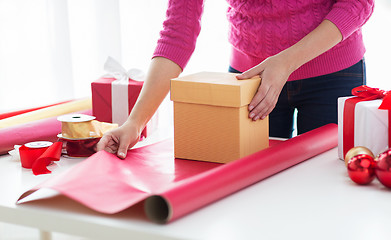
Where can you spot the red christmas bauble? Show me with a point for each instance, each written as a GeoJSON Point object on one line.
{"type": "Point", "coordinates": [383, 168]}
{"type": "Point", "coordinates": [361, 169]}
{"type": "Point", "coordinates": [356, 151]}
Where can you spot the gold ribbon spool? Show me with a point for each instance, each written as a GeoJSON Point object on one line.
{"type": "Point", "coordinates": [80, 126]}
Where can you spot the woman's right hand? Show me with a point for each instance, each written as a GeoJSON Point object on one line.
{"type": "Point", "coordinates": [119, 140]}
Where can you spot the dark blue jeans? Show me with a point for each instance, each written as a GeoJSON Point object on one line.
{"type": "Point", "coordinates": [315, 100]}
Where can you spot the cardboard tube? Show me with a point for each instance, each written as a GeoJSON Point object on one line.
{"type": "Point", "coordinates": [209, 186]}
{"type": "Point", "coordinates": [53, 111]}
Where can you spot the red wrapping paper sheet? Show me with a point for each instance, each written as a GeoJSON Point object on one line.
{"type": "Point", "coordinates": [172, 187]}
{"type": "Point", "coordinates": [40, 130]}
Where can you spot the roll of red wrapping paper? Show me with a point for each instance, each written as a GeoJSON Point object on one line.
{"type": "Point", "coordinates": [80, 147]}
{"type": "Point", "coordinates": [175, 187]}
{"type": "Point", "coordinates": [211, 185]}
{"type": "Point", "coordinates": [40, 130]}
{"type": "Point", "coordinates": [14, 113]}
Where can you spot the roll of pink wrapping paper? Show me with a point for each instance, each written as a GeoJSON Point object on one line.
{"type": "Point", "coordinates": [175, 187]}
{"type": "Point", "coordinates": [39, 130]}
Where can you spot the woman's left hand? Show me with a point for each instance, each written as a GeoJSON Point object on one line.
{"type": "Point", "coordinates": [274, 72]}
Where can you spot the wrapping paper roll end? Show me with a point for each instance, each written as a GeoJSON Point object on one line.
{"type": "Point", "coordinates": [158, 209]}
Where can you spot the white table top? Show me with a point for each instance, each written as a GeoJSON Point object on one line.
{"type": "Point", "coordinates": [313, 200]}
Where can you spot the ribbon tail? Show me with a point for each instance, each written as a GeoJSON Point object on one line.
{"type": "Point", "coordinates": [348, 124]}
{"type": "Point", "coordinates": [39, 167]}
{"type": "Point", "coordinates": [53, 153]}
{"type": "Point", "coordinates": [386, 103]}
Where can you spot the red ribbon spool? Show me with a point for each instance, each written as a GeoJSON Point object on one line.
{"type": "Point", "coordinates": [80, 147]}
{"type": "Point", "coordinates": [37, 155]}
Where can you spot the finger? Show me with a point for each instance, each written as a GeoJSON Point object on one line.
{"type": "Point", "coordinates": [264, 108]}
{"type": "Point", "coordinates": [134, 142]}
{"type": "Point", "coordinates": [103, 142]}
{"type": "Point", "coordinates": [252, 72]}
{"type": "Point", "coordinates": [257, 99]}
{"type": "Point", "coordinates": [266, 111]}
{"type": "Point", "coordinates": [112, 148]}
{"type": "Point", "coordinates": [122, 149]}
{"type": "Point", "coordinates": [259, 111]}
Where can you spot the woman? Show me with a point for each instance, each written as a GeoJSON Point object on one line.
{"type": "Point", "coordinates": [308, 53]}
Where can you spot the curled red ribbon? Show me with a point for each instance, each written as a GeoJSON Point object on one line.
{"type": "Point", "coordinates": [37, 158]}
{"type": "Point", "coordinates": [363, 93]}
{"type": "Point", "coordinates": [368, 93]}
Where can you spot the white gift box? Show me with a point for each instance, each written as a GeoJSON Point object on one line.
{"type": "Point", "coordinates": [370, 126]}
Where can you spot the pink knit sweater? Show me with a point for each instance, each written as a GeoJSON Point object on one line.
{"type": "Point", "coordinates": [261, 28]}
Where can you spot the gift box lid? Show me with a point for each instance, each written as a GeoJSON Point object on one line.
{"type": "Point", "coordinates": [214, 88]}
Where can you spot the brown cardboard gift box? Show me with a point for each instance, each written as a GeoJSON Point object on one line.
{"type": "Point", "coordinates": [211, 117]}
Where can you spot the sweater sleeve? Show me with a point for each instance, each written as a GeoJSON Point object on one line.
{"type": "Point", "coordinates": [350, 15]}
{"type": "Point", "coordinates": [180, 31]}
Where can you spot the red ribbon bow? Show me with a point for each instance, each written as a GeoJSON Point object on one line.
{"type": "Point", "coordinates": [363, 93]}
{"type": "Point", "coordinates": [367, 93]}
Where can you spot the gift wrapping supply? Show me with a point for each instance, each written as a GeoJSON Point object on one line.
{"type": "Point", "coordinates": [81, 126]}
{"type": "Point", "coordinates": [39, 130]}
{"type": "Point", "coordinates": [38, 155]}
{"type": "Point", "coordinates": [80, 133]}
{"type": "Point", "coordinates": [79, 147]}
{"type": "Point", "coordinates": [18, 112]}
{"type": "Point", "coordinates": [30, 152]}
{"type": "Point", "coordinates": [44, 113]}
{"type": "Point", "coordinates": [172, 188]}
{"type": "Point", "coordinates": [90, 129]}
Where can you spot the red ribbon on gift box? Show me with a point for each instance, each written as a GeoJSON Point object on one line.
{"type": "Point", "coordinates": [363, 93]}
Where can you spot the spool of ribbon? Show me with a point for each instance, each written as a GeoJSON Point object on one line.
{"type": "Point", "coordinates": [363, 93]}
{"type": "Point", "coordinates": [80, 147]}
{"type": "Point", "coordinates": [119, 88]}
{"type": "Point", "coordinates": [80, 133]}
{"type": "Point", "coordinates": [81, 126]}
{"type": "Point", "coordinates": [37, 155]}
